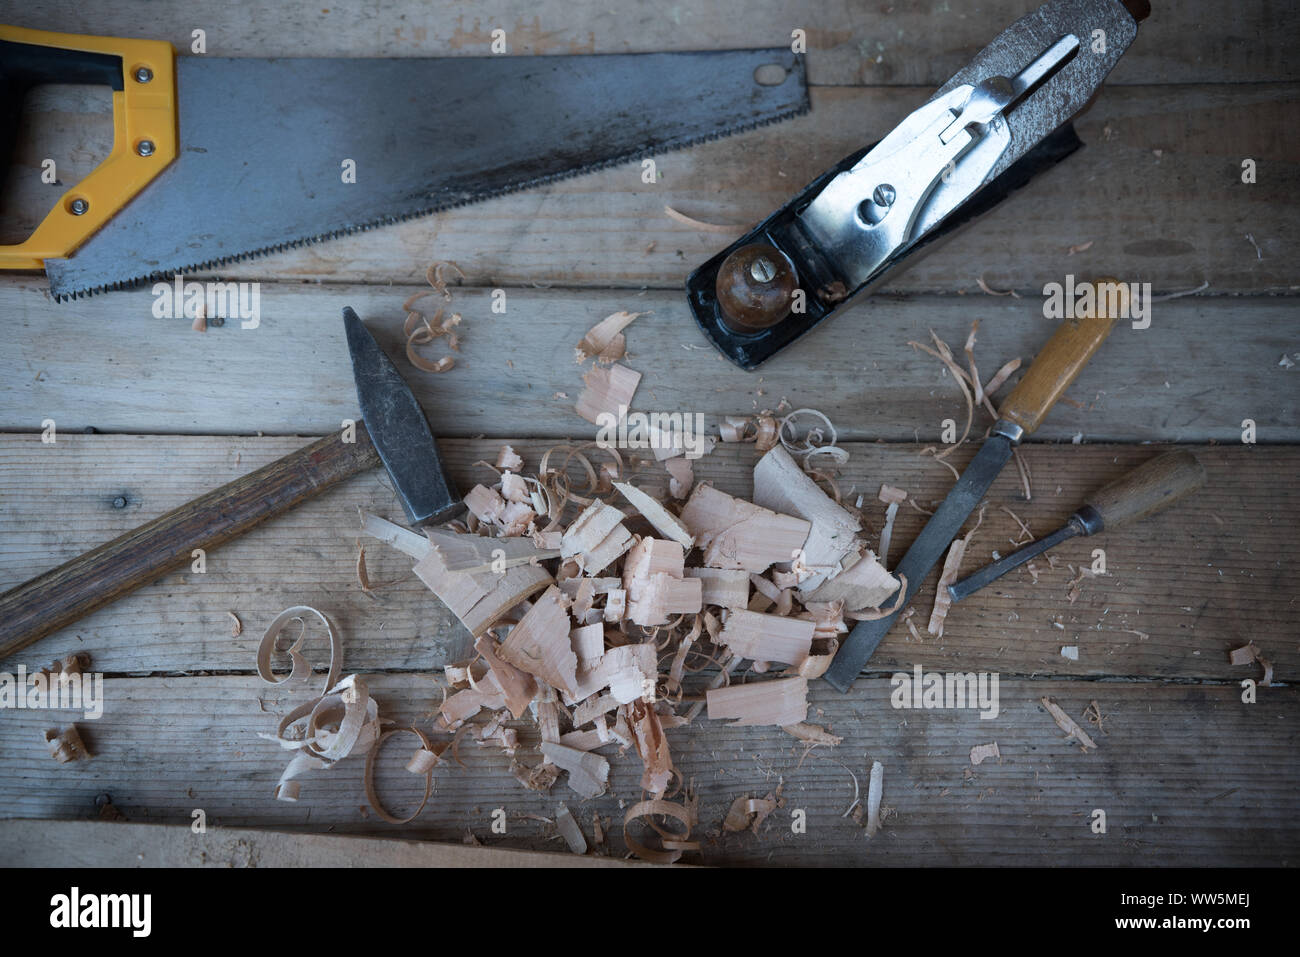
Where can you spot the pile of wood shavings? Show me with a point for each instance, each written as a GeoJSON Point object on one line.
{"type": "Point", "coordinates": [608, 616]}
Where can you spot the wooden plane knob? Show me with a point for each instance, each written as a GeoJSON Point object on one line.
{"type": "Point", "coordinates": [755, 286]}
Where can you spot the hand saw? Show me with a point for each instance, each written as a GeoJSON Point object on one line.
{"type": "Point", "coordinates": [218, 159]}
{"type": "Point", "coordinates": [994, 125]}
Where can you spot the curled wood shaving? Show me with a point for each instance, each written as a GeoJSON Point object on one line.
{"type": "Point", "coordinates": [236, 626]}
{"type": "Point", "coordinates": [650, 809]}
{"type": "Point", "coordinates": [301, 668]}
{"type": "Point", "coordinates": [1248, 653]}
{"type": "Point", "coordinates": [700, 224]}
{"type": "Point", "coordinates": [815, 441]}
{"type": "Point", "coordinates": [747, 814]}
{"type": "Point", "coordinates": [66, 745]}
{"type": "Point", "coordinates": [422, 762]}
{"type": "Point", "coordinates": [994, 292]}
{"type": "Point", "coordinates": [420, 330]}
{"type": "Point", "coordinates": [959, 377]}
{"type": "Point", "coordinates": [732, 428]}
{"type": "Point", "coordinates": [1068, 724]}
{"type": "Point", "coordinates": [766, 433]}
{"type": "Point", "coordinates": [436, 275]}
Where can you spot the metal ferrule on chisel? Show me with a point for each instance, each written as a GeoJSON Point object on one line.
{"type": "Point", "coordinates": [987, 131]}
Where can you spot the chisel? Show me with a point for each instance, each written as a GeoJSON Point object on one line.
{"type": "Point", "coordinates": [1150, 488]}
{"type": "Point", "coordinates": [1055, 367]}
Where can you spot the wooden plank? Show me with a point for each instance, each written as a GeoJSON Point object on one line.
{"type": "Point", "coordinates": [106, 362]}
{"type": "Point", "coordinates": [1137, 193]}
{"type": "Point", "coordinates": [1177, 772]}
{"type": "Point", "coordinates": [1182, 589]}
{"type": "Point", "coordinates": [45, 843]}
{"type": "Point", "coordinates": [1194, 41]}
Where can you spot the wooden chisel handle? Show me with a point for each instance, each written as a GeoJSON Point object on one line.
{"type": "Point", "coordinates": [64, 594]}
{"type": "Point", "coordinates": [1060, 361]}
{"type": "Point", "coordinates": [1152, 486]}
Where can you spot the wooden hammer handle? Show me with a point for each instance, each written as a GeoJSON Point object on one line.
{"type": "Point", "coordinates": [64, 594]}
{"type": "Point", "coordinates": [1060, 361]}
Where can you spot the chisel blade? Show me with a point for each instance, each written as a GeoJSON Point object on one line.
{"type": "Point", "coordinates": [924, 554]}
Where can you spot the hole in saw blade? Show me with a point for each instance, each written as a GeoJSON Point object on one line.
{"type": "Point", "coordinates": [69, 123]}
{"type": "Point", "coordinates": [770, 74]}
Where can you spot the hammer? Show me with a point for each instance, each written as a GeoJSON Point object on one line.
{"type": "Point", "coordinates": [394, 431]}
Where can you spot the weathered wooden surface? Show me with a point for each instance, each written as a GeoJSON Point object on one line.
{"type": "Point", "coordinates": [1194, 41]}
{"type": "Point", "coordinates": [45, 843]}
{"type": "Point", "coordinates": [1186, 773]}
{"type": "Point", "coordinates": [106, 362]}
{"type": "Point", "coordinates": [1138, 192]}
{"type": "Point", "coordinates": [1182, 589]}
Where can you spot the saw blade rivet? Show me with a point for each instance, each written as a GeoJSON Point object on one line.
{"type": "Point", "coordinates": [884, 195]}
{"type": "Point", "coordinates": [79, 207]}
{"type": "Point", "coordinates": [119, 502]}
{"type": "Point", "coordinates": [145, 147]}
{"type": "Point", "coordinates": [143, 74]}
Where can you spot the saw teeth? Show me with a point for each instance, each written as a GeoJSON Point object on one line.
{"type": "Point", "coordinates": [69, 295]}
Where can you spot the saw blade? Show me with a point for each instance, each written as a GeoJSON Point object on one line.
{"type": "Point", "coordinates": [267, 145]}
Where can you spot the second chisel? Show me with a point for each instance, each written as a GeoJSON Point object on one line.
{"type": "Point", "coordinates": [1151, 487]}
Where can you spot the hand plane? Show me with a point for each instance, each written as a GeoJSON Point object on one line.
{"type": "Point", "coordinates": [994, 125]}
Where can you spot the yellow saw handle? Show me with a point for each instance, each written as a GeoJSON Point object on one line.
{"type": "Point", "coordinates": [142, 74]}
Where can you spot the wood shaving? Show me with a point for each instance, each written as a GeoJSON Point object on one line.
{"type": "Point", "coordinates": [1248, 653]}
{"type": "Point", "coordinates": [783, 702]}
{"type": "Point", "coordinates": [66, 745]}
{"type": "Point", "coordinates": [682, 477]}
{"type": "Point", "coordinates": [994, 292]}
{"type": "Point", "coordinates": [700, 224]}
{"type": "Point", "coordinates": [648, 810]}
{"type": "Point", "coordinates": [608, 392]}
{"type": "Point", "coordinates": [747, 814]}
{"type": "Point", "coordinates": [813, 734]}
{"type": "Point", "coordinates": [569, 830]}
{"type": "Point", "coordinates": [951, 568]}
{"type": "Point", "coordinates": [605, 340]}
{"type": "Point", "coordinates": [1068, 724]}
{"type": "Point", "coordinates": [436, 275]}
{"type": "Point", "coordinates": [422, 762]}
{"type": "Point", "coordinates": [588, 772]}
{"type": "Point", "coordinates": [782, 486]}
{"type": "Point", "coordinates": [737, 534]}
{"type": "Point", "coordinates": [875, 791]}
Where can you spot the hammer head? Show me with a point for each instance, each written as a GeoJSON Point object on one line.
{"type": "Point", "coordinates": [399, 430]}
